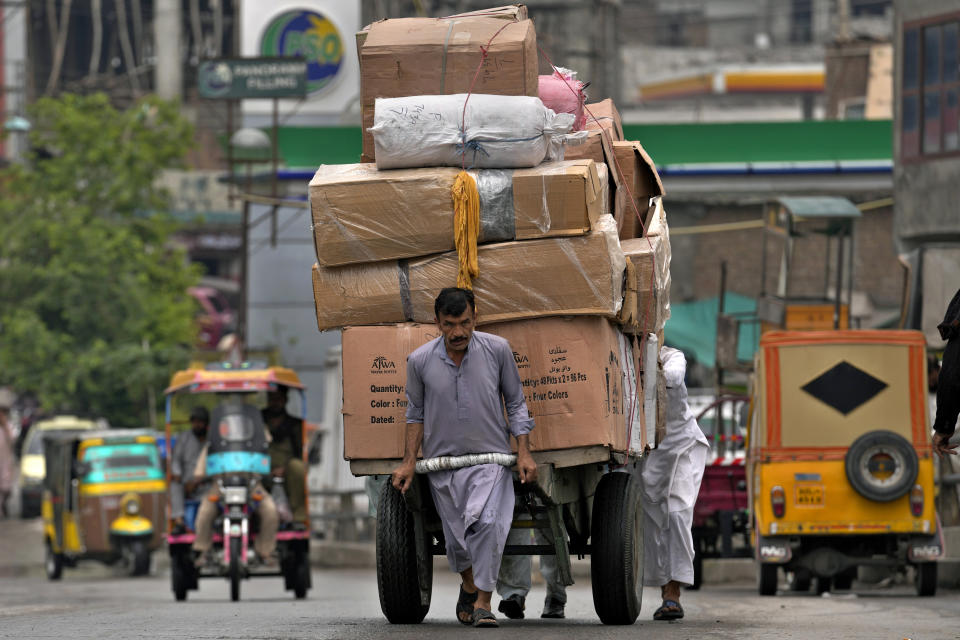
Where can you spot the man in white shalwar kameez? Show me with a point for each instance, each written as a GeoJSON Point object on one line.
{"type": "Point", "coordinates": [464, 396]}
{"type": "Point", "coordinates": [671, 481]}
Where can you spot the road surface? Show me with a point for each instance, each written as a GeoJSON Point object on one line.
{"type": "Point", "coordinates": [94, 601]}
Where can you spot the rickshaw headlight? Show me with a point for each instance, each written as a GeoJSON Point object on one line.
{"type": "Point", "coordinates": [130, 505]}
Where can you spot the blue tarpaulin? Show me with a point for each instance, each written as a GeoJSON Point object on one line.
{"type": "Point", "coordinates": [692, 328]}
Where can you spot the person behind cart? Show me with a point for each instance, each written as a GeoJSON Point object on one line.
{"type": "Point", "coordinates": [948, 381]}
{"type": "Point", "coordinates": [225, 419]}
{"type": "Point", "coordinates": [670, 484]}
{"type": "Point", "coordinates": [186, 452]}
{"type": "Point", "coordinates": [459, 387]}
{"type": "Point", "coordinates": [513, 583]}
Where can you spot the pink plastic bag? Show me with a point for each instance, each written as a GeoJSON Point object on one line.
{"type": "Point", "coordinates": [555, 93]}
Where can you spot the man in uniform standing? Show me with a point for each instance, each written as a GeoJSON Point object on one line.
{"type": "Point", "coordinates": [458, 388]}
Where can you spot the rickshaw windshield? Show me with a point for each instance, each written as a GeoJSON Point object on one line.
{"type": "Point", "coordinates": [236, 427]}
{"type": "Point", "coordinates": [35, 445]}
{"type": "Point", "coordinates": [122, 463]}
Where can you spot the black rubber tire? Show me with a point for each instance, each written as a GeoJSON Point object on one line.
{"type": "Point", "coordinates": [894, 442]}
{"type": "Point", "coordinates": [140, 556]}
{"type": "Point", "coordinates": [178, 578]}
{"type": "Point", "coordinates": [301, 576]}
{"type": "Point", "coordinates": [800, 580]}
{"type": "Point", "coordinates": [843, 581]}
{"type": "Point", "coordinates": [397, 579]}
{"type": "Point", "coordinates": [823, 585]}
{"type": "Point", "coordinates": [616, 564]}
{"type": "Point", "coordinates": [234, 569]}
{"type": "Point", "coordinates": [925, 579]}
{"type": "Point", "coordinates": [53, 563]}
{"type": "Point", "coordinates": [767, 578]}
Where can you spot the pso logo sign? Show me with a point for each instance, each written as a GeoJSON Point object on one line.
{"type": "Point", "coordinates": [308, 35]}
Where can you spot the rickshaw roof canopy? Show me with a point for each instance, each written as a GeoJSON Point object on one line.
{"type": "Point", "coordinates": [232, 380]}
{"type": "Point", "coordinates": [70, 435]}
{"type": "Point", "coordinates": [823, 207]}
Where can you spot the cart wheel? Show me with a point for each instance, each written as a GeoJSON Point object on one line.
{"type": "Point", "coordinates": [178, 578]}
{"type": "Point", "coordinates": [844, 579]}
{"type": "Point", "coordinates": [799, 580]}
{"type": "Point", "coordinates": [397, 578]}
{"type": "Point", "coordinates": [767, 578]}
{"type": "Point", "coordinates": [234, 570]}
{"type": "Point", "coordinates": [139, 558]}
{"type": "Point", "coordinates": [53, 562]}
{"type": "Point", "coordinates": [616, 567]}
{"type": "Point", "coordinates": [926, 578]}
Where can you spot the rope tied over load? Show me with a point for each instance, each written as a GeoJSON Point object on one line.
{"type": "Point", "coordinates": [466, 227]}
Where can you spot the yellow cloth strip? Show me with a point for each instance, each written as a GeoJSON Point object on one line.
{"type": "Point", "coordinates": [466, 227]}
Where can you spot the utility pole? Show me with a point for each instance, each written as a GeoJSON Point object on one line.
{"type": "Point", "coordinates": [167, 26]}
{"type": "Point", "coordinates": [843, 20]}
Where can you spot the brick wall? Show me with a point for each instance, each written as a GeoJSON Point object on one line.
{"type": "Point", "coordinates": [695, 268]}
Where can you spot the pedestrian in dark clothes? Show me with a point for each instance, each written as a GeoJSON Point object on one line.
{"type": "Point", "coordinates": [948, 381]}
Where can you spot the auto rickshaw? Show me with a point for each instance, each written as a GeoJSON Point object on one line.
{"type": "Point", "coordinates": [104, 498]}
{"type": "Point", "coordinates": [236, 458]}
{"type": "Point", "coordinates": [840, 466]}
{"type": "Point", "coordinates": [32, 466]}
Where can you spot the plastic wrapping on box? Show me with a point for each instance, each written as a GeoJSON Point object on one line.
{"type": "Point", "coordinates": [579, 275]}
{"type": "Point", "coordinates": [361, 214]}
{"type": "Point", "coordinates": [647, 297]}
{"type": "Point", "coordinates": [651, 376]}
{"type": "Point", "coordinates": [499, 132]}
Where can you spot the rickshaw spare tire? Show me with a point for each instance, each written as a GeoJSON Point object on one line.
{"type": "Point", "coordinates": [880, 452]}
{"type": "Point", "coordinates": [616, 563]}
{"type": "Point", "coordinates": [397, 578]}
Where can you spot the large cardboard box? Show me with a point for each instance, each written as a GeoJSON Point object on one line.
{"type": "Point", "coordinates": [646, 300]}
{"type": "Point", "coordinates": [638, 178]}
{"type": "Point", "coordinates": [580, 275]}
{"type": "Point", "coordinates": [361, 214]}
{"type": "Point", "coordinates": [579, 378]}
{"type": "Point", "coordinates": [427, 56]}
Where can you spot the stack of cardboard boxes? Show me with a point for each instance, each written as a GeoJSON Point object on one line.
{"type": "Point", "coordinates": [575, 290]}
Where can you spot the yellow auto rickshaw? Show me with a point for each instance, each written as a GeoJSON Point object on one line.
{"type": "Point", "coordinates": [104, 498]}
{"type": "Point", "coordinates": [839, 464]}
{"type": "Point", "coordinates": [32, 465]}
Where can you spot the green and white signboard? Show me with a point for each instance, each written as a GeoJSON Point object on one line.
{"type": "Point", "coordinates": [235, 78]}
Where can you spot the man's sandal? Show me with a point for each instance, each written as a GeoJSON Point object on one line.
{"type": "Point", "coordinates": [669, 610]}
{"type": "Point", "coordinates": [484, 618]}
{"type": "Point", "coordinates": [465, 605]}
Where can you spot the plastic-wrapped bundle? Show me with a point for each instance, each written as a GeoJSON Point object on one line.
{"type": "Point", "coordinates": [563, 93]}
{"type": "Point", "coordinates": [501, 132]}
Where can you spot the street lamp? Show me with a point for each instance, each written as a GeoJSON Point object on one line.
{"type": "Point", "coordinates": [247, 145]}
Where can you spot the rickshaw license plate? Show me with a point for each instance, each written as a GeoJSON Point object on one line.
{"type": "Point", "coordinates": [810, 496]}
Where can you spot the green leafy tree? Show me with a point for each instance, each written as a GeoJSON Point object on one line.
{"type": "Point", "coordinates": [94, 313]}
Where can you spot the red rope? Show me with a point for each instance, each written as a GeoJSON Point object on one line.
{"type": "Point", "coordinates": [484, 51]}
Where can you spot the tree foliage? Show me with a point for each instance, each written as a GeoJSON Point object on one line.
{"type": "Point", "coordinates": [93, 307]}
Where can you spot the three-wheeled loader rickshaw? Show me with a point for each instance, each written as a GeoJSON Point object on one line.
{"type": "Point", "coordinates": [237, 459]}
{"type": "Point", "coordinates": [586, 500]}
{"type": "Point", "coordinates": [104, 498]}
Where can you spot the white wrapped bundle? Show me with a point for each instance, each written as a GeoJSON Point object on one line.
{"type": "Point", "coordinates": [501, 132]}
